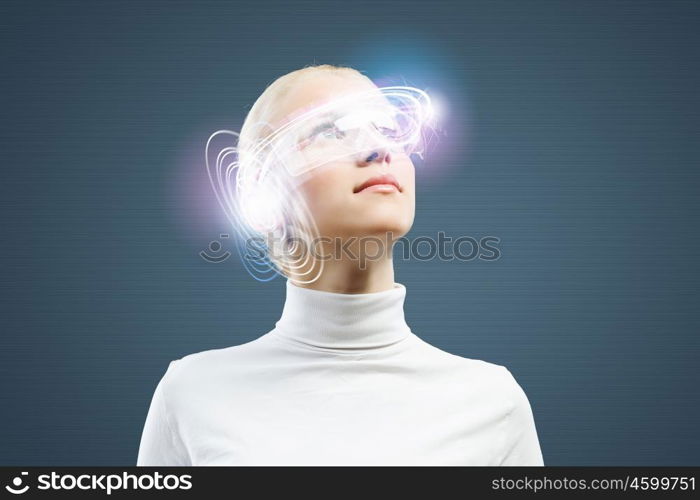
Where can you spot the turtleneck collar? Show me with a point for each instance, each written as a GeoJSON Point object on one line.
{"type": "Point", "coordinates": [343, 320]}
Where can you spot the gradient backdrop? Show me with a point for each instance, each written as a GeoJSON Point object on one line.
{"type": "Point", "coordinates": [572, 135]}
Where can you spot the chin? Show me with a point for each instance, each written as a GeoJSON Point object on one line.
{"type": "Point", "coordinates": [387, 217]}
{"type": "Point", "coordinates": [376, 221]}
{"type": "Point", "coordinates": [381, 226]}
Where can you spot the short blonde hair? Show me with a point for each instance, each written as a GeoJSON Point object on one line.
{"type": "Point", "coordinates": [257, 122]}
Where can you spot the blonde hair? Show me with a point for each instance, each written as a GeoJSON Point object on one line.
{"type": "Point", "coordinates": [257, 123]}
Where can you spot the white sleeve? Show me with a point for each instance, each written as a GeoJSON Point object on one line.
{"type": "Point", "coordinates": [161, 445]}
{"type": "Point", "coordinates": [522, 443]}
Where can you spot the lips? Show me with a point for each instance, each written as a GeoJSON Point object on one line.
{"type": "Point", "coordinates": [386, 179]}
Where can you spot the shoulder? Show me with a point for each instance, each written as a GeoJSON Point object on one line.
{"type": "Point", "coordinates": [199, 369]}
{"type": "Point", "coordinates": [473, 366]}
{"type": "Point", "coordinates": [519, 402]}
{"type": "Point", "coordinates": [495, 378]}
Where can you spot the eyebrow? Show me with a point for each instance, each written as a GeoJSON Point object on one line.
{"type": "Point", "coordinates": [321, 127]}
{"type": "Point", "coordinates": [324, 118]}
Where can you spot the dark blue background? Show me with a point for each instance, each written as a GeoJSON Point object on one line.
{"type": "Point", "coordinates": [573, 137]}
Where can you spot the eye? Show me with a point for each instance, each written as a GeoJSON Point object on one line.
{"type": "Point", "coordinates": [386, 125]}
{"type": "Point", "coordinates": [390, 132]}
{"type": "Point", "coordinates": [392, 127]}
{"type": "Point", "coordinates": [322, 132]}
{"type": "Point", "coordinates": [330, 132]}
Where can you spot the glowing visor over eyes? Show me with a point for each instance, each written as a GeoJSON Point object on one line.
{"type": "Point", "coordinates": [389, 118]}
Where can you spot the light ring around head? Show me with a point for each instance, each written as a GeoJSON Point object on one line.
{"type": "Point", "coordinates": [257, 186]}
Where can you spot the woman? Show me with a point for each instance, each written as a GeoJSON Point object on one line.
{"type": "Point", "coordinates": [341, 379]}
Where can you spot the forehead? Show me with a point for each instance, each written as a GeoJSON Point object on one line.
{"type": "Point", "coordinates": [314, 91]}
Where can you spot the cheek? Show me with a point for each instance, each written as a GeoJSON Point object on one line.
{"type": "Point", "coordinates": [405, 171]}
{"type": "Point", "coordinates": [324, 189]}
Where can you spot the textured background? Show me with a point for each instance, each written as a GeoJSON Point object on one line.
{"type": "Point", "coordinates": [573, 137]}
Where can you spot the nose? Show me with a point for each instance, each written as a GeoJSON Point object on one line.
{"type": "Point", "coordinates": [379, 155]}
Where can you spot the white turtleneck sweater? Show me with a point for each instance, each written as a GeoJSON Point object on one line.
{"type": "Point", "coordinates": [340, 380]}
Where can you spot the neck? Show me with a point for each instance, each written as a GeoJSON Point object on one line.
{"type": "Point", "coordinates": [364, 271]}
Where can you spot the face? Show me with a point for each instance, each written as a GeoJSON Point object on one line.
{"type": "Point", "coordinates": [351, 194]}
